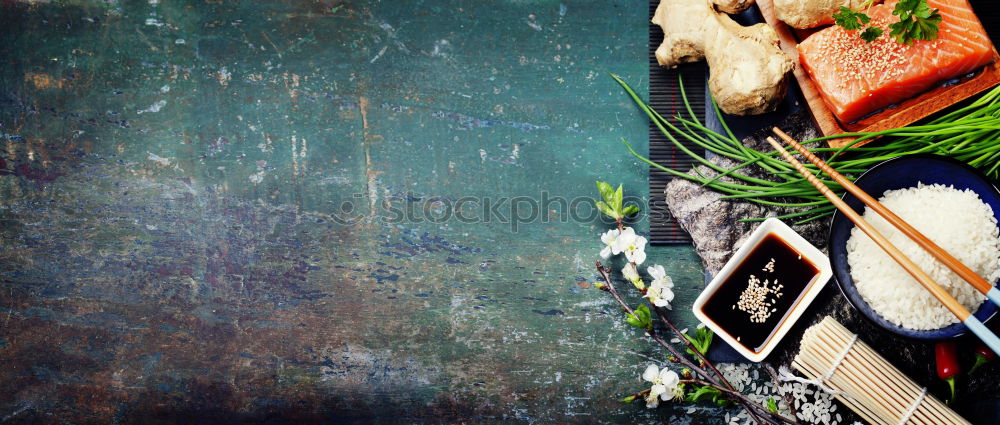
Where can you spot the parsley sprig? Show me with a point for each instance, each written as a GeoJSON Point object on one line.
{"type": "Point", "coordinates": [871, 33]}
{"type": "Point", "coordinates": [849, 19]}
{"type": "Point", "coordinates": [917, 21]}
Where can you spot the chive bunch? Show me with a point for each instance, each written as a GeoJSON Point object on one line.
{"type": "Point", "coordinates": [970, 134]}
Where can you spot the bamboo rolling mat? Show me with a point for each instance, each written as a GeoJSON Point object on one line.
{"type": "Point", "coordinates": [864, 381]}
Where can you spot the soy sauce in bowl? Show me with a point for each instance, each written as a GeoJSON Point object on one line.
{"type": "Point", "coordinates": [758, 296]}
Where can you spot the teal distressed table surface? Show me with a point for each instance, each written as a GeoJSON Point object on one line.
{"type": "Point", "coordinates": [302, 211]}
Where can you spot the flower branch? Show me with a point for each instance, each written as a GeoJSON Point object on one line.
{"type": "Point", "coordinates": [667, 385]}
{"type": "Point", "coordinates": [676, 355]}
{"type": "Point", "coordinates": [712, 380]}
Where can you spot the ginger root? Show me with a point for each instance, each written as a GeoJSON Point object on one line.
{"type": "Point", "coordinates": [748, 71]}
{"type": "Point", "coordinates": [732, 6]}
{"type": "Point", "coordinates": [810, 13]}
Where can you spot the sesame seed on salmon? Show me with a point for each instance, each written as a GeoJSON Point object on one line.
{"type": "Point", "coordinates": [856, 78]}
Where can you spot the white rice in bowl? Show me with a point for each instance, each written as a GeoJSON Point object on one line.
{"type": "Point", "coordinates": [956, 220]}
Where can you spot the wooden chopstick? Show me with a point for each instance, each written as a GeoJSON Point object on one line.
{"type": "Point", "coordinates": [939, 253]}
{"type": "Point", "coordinates": [942, 295]}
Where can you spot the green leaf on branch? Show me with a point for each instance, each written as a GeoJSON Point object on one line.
{"type": "Point", "coordinates": [611, 203]}
{"type": "Point", "coordinates": [628, 399]}
{"type": "Point", "coordinates": [703, 393]}
{"type": "Point", "coordinates": [641, 319]}
{"type": "Point", "coordinates": [617, 205]}
{"type": "Point", "coordinates": [708, 393]}
{"type": "Point", "coordinates": [772, 406]}
{"type": "Point", "coordinates": [701, 340]}
{"type": "Point", "coordinates": [607, 192]}
{"type": "Point", "coordinates": [606, 210]}
{"type": "Point", "coordinates": [630, 209]}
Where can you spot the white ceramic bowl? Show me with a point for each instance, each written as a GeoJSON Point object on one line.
{"type": "Point", "coordinates": [807, 250]}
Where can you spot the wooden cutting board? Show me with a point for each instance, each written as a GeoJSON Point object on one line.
{"type": "Point", "coordinates": [901, 114]}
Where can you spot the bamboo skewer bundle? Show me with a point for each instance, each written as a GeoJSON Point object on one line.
{"type": "Point", "coordinates": [864, 381]}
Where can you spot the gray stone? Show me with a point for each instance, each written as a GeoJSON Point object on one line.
{"type": "Point", "coordinates": [714, 223]}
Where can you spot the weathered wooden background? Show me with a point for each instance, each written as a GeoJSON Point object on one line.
{"type": "Point", "coordinates": [246, 211]}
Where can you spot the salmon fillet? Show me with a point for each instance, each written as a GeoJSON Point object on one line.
{"type": "Point", "coordinates": [856, 78]}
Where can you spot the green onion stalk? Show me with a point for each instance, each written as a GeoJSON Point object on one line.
{"type": "Point", "coordinates": [970, 134]}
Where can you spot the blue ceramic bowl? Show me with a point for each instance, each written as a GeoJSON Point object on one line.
{"type": "Point", "coordinates": [899, 173]}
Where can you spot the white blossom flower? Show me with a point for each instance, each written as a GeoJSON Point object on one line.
{"type": "Point", "coordinates": [634, 246]}
{"type": "Point", "coordinates": [657, 272]}
{"type": "Point", "coordinates": [609, 238]}
{"type": "Point", "coordinates": [665, 385]}
{"type": "Point", "coordinates": [660, 291]}
{"type": "Point", "coordinates": [677, 392]}
{"type": "Point", "coordinates": [630, 273]}
{"type": "Point", "coordinates": [624, 238]}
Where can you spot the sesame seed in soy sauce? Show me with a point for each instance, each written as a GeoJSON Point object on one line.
{"type": "Point", "coordinates": [757, 297]}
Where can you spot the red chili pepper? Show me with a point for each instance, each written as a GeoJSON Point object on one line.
{"type": "Point", "coordinates": [946, 354]}
{"type": "Point", "coordinates": [983, 355]}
